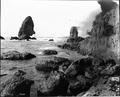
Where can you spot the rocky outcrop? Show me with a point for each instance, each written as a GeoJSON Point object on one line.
{"type": "Point", "coordinates": [16, 86]}
{"type": "Point", "coordinates": [27, 29]}
{"type": "Point", "coordinates": [2, 37]}
{"type": "Point", "coordinates": [104, 37]}
{"type": "Point", "coordinates": [73, 32]}
{"type": "Point", "coordinates": [15, 55]}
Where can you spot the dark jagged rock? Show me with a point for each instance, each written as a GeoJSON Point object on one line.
{"type": "Point", "coordinates": [2, 37]}
{"type": "Point", "coordinates": [73, 32]}
{"type": "Point", "coordinates": [53, 64]}
{"type": "Point", "coordinates": [16, 86]}
{"type": "Point", "coordinates": [51, 39]}
{"type": "Point", "coordinates": [27, 29]}
{"type": "Point", "coordinates": [15, 55]}
{"type": "Point", "coordinates": [14, 38]}
{"type": "Point", "coordinates": [54, 85]}
{"type": "Point", "coordinates": [50, 52]}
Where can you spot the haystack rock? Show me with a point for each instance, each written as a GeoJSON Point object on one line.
{"type": "Point", "coordinates": [73, 32]}
{"type": "Point", "coordinates": [27, 29]}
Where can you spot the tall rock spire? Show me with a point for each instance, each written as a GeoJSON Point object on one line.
{"type": "Point", "coordinates": [27, 28]}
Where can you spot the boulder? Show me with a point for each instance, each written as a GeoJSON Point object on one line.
{"type": "Point", "coordinates": [57, 63]}
{"type": "Point", "coordinates": [2, 37]}
{"type": "Point", "coordinates": [16, 86]}
{"type": "Point", "coordinates": [14, 38]}
{"type": "Point", "coordinates": [15, 55]}
{"type": "Point", "coordinates": [50, 52]}
{"type": "Point", "coordinates": [73, 32]}
{"type": "Point", "coordinates": [54, 85]}
{"type": "Point", "coordinates": [27, 29]}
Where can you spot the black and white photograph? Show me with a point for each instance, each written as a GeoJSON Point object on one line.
{"type": "Point", "coordinates": [59, 48]}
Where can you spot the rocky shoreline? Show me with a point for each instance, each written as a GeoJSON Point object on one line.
{"type": "Point", "coordinates": [63, 77]}
{"type": "Point", "coordinates": [96, 73]}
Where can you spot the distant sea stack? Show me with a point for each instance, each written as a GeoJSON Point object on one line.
{"type": "Point", "coordinates": [2, 38]}
{"type": "Point", "coordinates": [27, 29]}
{"type": "Point", "coordinates": [104, 41]}
{"type": "Point", "coordinates": [73, 32]}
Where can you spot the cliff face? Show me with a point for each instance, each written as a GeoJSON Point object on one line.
{"type": "Point", "coordinates": [27, 28]}
{"type": "Point", "coordinates": [104, 41]}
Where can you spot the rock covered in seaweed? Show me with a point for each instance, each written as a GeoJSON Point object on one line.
{"type": "Point", "coordinates": [27, 29]}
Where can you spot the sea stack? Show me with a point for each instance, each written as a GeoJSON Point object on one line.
{"type": "Point", "coordinates": [73, 32]}
{"type": "Point", "coordinates": [27, 29]}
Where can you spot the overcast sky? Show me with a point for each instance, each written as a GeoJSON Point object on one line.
{"type": "Point", "coordinates": [51, 18]}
